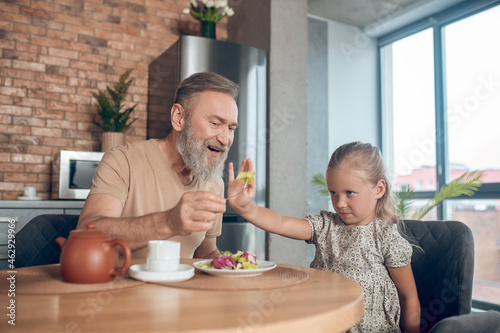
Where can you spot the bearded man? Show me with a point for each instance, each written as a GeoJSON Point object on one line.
{"type": "Point", "coordinates": [170, 188]}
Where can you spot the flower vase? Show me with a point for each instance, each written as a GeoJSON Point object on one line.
{"type": "Point", "coordinates": [208, 29]}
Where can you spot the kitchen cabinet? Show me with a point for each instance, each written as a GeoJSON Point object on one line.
{"type": "Point", "coordinates": [23, 211]}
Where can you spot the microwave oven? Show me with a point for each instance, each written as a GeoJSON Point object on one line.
{"type": "Point", "coordinates": [72, 174]}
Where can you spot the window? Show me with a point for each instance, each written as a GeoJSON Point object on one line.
{"type": "Point", "coordinates": [440, 103]}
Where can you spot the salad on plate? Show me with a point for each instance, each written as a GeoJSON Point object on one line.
{"type": "Point", "coordinates": [230, 261]}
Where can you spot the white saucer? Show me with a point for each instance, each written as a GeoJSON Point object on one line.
{"type": "Point", "coordinates": [140, 272]}
{"type": "Point", "coordinates": [29, 198]}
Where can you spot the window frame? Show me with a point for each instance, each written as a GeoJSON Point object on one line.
{"type": "Point", "coordinates": [437, 23]}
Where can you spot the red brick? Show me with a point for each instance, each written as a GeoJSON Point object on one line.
{"type": "Point", "coordinates": [133, 56]}
{"type": "Point", "coordinates": [28, 121]}
{"type": "Point", "coordinates": [68, 19]}
{"type": "Point", "coordinates": [105, 24]}
{"type": "Point", "coordinates": [27, 158]}
{"type": "Point", "coordinates": [80, 117]}
{"type": "Point", "coordinates": [29, 66]}
{"type": "Point", "coordinates": [45, 131]}
{"type": "Point", "coordinates": [109, 35]}
{"type": "Point", "coordinates": [38, 168]}
{"type": "Point", "coordinates": [10, 167]}
{"type": "Point", "coordinates": [28, 84]}
{"type": "Point", "coordinates": [14, 129]}
{"type": "Point", "coordinates": [125, 64]}
{"type": "Point", "coordinates": [63, 35]}
{"type": "Point", "coordinates": [12, 8]}
{"type": "Point", "coordinates": [43, 94]}
{"type": "Point", "coordinates": [63, 53]}
{"type": "Point", "coordinates": [58, 142]}
{"type": "Point", "coordinates": [5, 81]}
{"type": "Point", "coordinates": [61, 124]}
{"type": "Point", "coordinates": [43, 150]}
{"type": "Point", "coordinates": [48, 114]}
{"type": "Point", "coordinates": [26, 139]}
{"type": "Point", "coordinates": [7, 44]}
{"type": "Point", "coordinates": [19, 177]}
{"type": "Point", "coordinates": [37, 49]}
{"type": "Point", "coordinates": [12, 91]}
{"type": "Point", "coordinates": [53, 105]}
{"type": "Point", "coordinates": [56, 61]}
{"type": "Point", "coordinates": [50, 79]}
{"type": "Point", "coordinates": [13, 17]}
{"type": "Point", "coordinates": [29, 102]}
{"type": "Point", "coordinates": [126, 29]}
{"type": "Point", "coordinates": [5, 119]}
{"type": "Point", "coordinates": [12, 148]}
{"type": "Point", "coordinates": [107, 52]}
{"type": "Point", "coordinates": [9, 26]}
{"type": "Point", "coordinates": [15, 110]}
{"type": "Point", "coordinates": [92, 58]}
{"type": "Point", "coordinates": [75, 46]}
{"type": "Point", "coordinates": [121, 46]}
{"type": "Point", "coordinates": [58, 74]}
{"type": "Point", "coordinates": [60, 88]}
{"type": "Point", "coordinates": [75, 99]}
{"type": "Point", "coordinates": [97, 7]}
{"type": "Point", "coordinates": [92, 75]}
{"type": "Point", "coordinates": [49, 42]}
{"type": "Point", "coordinates": [84, 65]}
{"type": "Point", "coordinates": [79, 29]}
{"type": "Point", "coordinates": [29, 29]}
{"type": "Point", "coordinates": [36, 10]}
{"type": "Point", "coordinates": [6, 100]}
{"type": "Point", "coordinates": [158, 4]}
{"type": "Point", "coordinates": [4, 186]}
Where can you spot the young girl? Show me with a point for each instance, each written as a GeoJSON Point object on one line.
{"type": "Point", "coordinates": [360, 240]}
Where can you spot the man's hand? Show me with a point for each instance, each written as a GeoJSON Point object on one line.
{"type": "Point", "coordinates": [195, 212]}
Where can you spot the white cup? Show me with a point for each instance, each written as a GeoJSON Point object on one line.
{"type": "Point", "coordinates": [163, 256]}
{"type": "Point", "coordinates": [30, 192]}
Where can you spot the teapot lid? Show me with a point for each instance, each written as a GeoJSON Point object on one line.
{"type": "Point", "coordinates": [88, 233]}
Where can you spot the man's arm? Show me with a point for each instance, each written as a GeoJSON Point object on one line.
{"type": "Point", "coordinates": [194, 212]}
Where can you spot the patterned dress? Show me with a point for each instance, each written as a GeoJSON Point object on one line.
{"type": "Point", "coordinates": [362, 254]}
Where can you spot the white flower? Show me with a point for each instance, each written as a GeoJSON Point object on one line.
{"type": "Point", "coordinates": [229, 12]}
{"type": "Point", "coordinates": [185, 11]}
{"type": "Point", "coordinates": [210, 3]}
{"type": "Point", "coordinates": [194, 3]}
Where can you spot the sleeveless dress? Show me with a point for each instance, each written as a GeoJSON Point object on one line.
{"type": "Point", "coordinates": [362, 254]}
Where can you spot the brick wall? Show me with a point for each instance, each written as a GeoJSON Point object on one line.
{"type": "Point", "coordinates": [53, 55]}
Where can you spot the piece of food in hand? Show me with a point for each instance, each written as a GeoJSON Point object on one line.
{"type": "Point", "coordinates": [228, 260]}
{"type": "Point", "coordinates": [246, 176]}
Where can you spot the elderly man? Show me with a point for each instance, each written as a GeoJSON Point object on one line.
{"type": "Point", "coordinates": [171, 188]}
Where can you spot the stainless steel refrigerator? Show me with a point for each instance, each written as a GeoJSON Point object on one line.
{"type": "Point", "coordinates": [247, 66]}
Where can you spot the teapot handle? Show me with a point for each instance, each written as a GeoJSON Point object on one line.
{"type": "Point", "coordinates": [128, 255]}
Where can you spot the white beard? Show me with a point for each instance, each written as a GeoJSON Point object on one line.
{"type": "Point", "coordinates": [194, 155]}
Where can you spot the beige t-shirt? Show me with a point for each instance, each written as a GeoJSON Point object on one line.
{"type": "Point", "coordinates": [139, 175]}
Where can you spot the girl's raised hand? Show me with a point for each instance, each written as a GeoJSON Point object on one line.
{"type": "Point", "coordinates": [239, 196]}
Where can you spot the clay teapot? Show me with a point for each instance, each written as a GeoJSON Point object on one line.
{"type": "Point", "coordinates": [90, 256]}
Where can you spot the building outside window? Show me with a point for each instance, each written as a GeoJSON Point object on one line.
{"type": "Point", "coordinates": [440, 95]}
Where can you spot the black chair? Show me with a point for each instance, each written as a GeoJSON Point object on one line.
{"type": "Point", "coordinates": [35, 243]}
{"type": "Point", "coordinates": [444, 271]}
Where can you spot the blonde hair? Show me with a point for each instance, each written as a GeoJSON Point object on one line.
{"type": "Point", "coordinates": [368, 159]}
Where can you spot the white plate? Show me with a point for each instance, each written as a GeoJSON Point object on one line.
{"type": "Point", "coordinates": [140, 272]}
{"type": "Point", "coordinates": [29, 198]}
{"type": "Point", "coordinates": [266, 266]}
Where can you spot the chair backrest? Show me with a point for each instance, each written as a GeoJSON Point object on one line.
{"type": "Point", "coordinates": [35, 242]}
{"type": "Point", "coordinates": [443, 268]}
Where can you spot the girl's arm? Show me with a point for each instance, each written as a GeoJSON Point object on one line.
{"type": "Point", "coordinates": [261, 217]}
{"type": "Point", "coordinates": [408, 297]}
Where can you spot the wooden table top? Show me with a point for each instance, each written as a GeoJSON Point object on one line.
{"type": "Point", "coordinates": [325, 302]}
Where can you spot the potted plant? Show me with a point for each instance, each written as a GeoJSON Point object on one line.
{"type": "Point", "coordinates": [115, 119]}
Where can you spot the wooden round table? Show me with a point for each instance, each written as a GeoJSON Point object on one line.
{"type": "Point", "coordinates": [325, 302]}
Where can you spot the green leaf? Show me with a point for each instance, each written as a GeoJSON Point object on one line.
{"type": "Point", "coordinates": [319, 183]}
{"type": "Point", "coordinates": [466, 184]}
{"type": "Point", "coordinates": [404, 199]}
{"type": "Point", "coordinates": [109, 105]}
